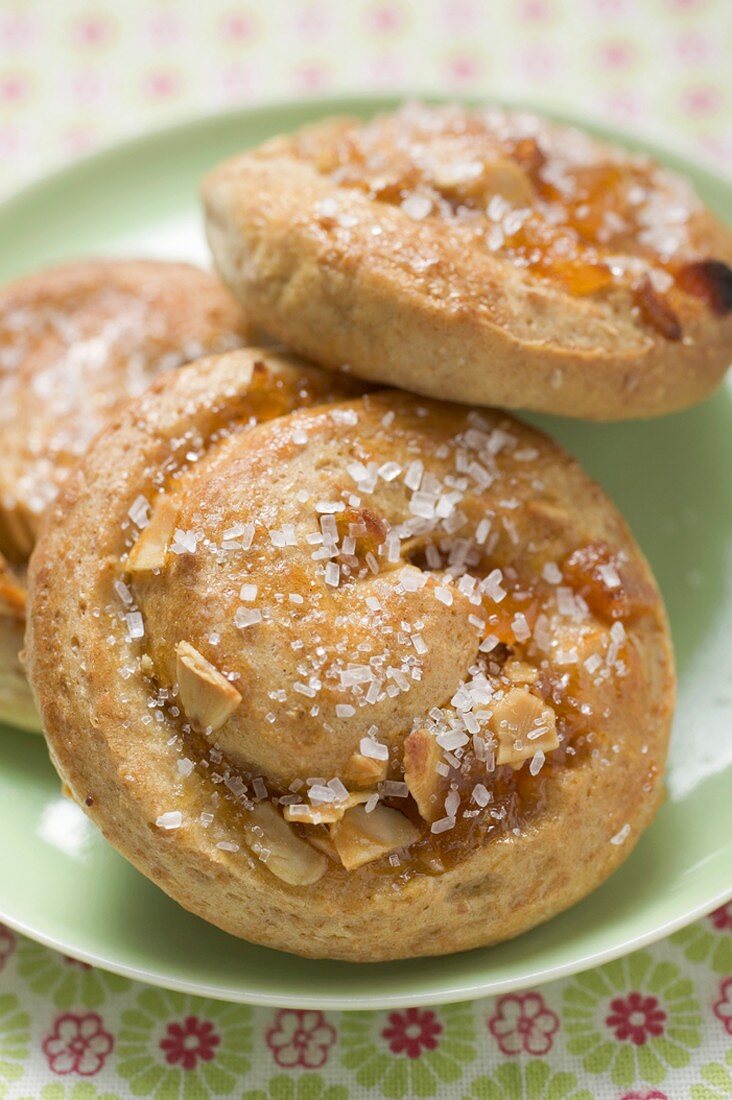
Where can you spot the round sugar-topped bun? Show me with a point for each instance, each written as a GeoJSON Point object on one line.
{"type": "Point", "coordinates": [75, 342]}
{"type": "Point", "coordinates": [354, 675]}
{"type": "Point", "coordinates": [480, 256]}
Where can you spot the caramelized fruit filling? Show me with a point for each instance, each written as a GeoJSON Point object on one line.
{"type": "Point", "coordinates": [550, 200]}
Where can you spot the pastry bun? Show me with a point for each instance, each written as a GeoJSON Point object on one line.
{"type": "Point", "coordinates": [75, 342]}
{"type": "Point", "coordinates": [353, 675]}
{"type": "Point", "coordinates": [481, 256]}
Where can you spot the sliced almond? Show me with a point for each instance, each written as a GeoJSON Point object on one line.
{"type": "Point", "coordinates": [365, 771]}
{"type": "Point", "coordinates": [152, 545]}
{"type": "Point", "coordinates": [206, 696]}
{"type": "Point", "coordinates": [522, 724]}
{"type": "Point", "coordinates": [499, 176]}
{"type": "Point", "coordinates": [302, 813]}
{"type": "Point", "coordinates": [519, 672]}
{"type": "Point", "coordinates": [422, 754]}
{"type": "Point", "coordinates": [361, 838]}
{"type": "Point", "coordinates": [278, 846]}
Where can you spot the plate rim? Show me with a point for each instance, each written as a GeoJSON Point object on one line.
{"type": "Point", "coordinates": [368, 1001]}
{"type": "Point", "coordinates": [135, 144]}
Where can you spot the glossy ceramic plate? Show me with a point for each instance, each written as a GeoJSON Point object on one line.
{"type": "Point", "coordinates": [62, 884]}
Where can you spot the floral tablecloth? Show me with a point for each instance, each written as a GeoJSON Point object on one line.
{"type": "Point", "coordinates": [77, 74]}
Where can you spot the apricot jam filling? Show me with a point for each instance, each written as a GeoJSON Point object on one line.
{"type": "Point", "coordinates": [567, 209]}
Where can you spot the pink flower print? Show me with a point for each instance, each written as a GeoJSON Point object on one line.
{"type": "Point", "coordinates": [636, 1017]}
{"type": "Point", "coordinates": [463, 68]}
{"type": "Point", "coordinates": [238, 26]}
{"type": "Point", "coordinates": [14, 88]}
{"type": "Point", "coordinates": [615, 54]}
{"type": "Point", "coordinates": [161, 84]}
{"type": "Point", "coordinates": [653, 1095]}
{"type": "Point", "coordinates": [723, 1007]}
{"type": "Point", "coordinates": [385, 19]}
{"type": "Point", "coordinates": [188, 1041]}
{"type": "Point", "coordinates": [412, 1032]}
{"type": "Point", "coordinates": [702, 99]}
{"type": "Point", "coordinates": [722, 918]}
{"type": "Point", "coordinates": [311, 76]}
{"type": "Point", "coordinates": [534, 11]}
{"type": "Point", "coordinates": [300, 1038]}
{"type": "Point", "coordinates": [523, 1024]}
{"type": "Point", "coordinates": [77, 1044]}
{"type": "Point", "coordinates": [92, 31]}
{"type": "Point", "coordinates": [7, 944]}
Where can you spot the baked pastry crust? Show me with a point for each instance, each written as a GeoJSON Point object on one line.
{"type": "Point", "coordinates": [359, 677]}
{"type": "Point", "coordinates": [75, 342]}
{"type": "Point", "coordinates": [480, 256]}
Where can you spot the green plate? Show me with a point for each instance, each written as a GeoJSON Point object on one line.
{"type": "Point", "coordinates": [63, 885]}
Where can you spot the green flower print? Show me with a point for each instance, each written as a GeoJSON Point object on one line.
{"type": "Point", "coordinates": [634, 1019]}
{"type": "Point", "coordinates": [307, 1087]}
{"type": "Point", "coordinates": [14, 1038]}
{"type": "Point", "coordinates": [175, 1046]}
{"type": "Point", "coordinates": [69, 983]}
{"type": "Point", "coordinates": [534, 1081]}
{"type": "Point", "coordinates": [716, 1081]}
{"type": "Point", "coordinates": [82, 1090]}
{"type": "Point", "coordinates": [411, 1052]}
{"type": "Point", "coordinates": [709, 940]}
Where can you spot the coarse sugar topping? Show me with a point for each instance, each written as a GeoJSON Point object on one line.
{"type": "Point", "coordinates": [566, 208]}
{"type": "Point", "coordinates": [75, 343]}
{"type": "Point", "coordinates": [401, 672]}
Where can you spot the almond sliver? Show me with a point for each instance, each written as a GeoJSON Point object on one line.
{"type": "Point", "coordinates": [422, 754]}
{"type": "Point", "coordinates": [206, 696]}
{"type": "Point", "coordinates": [301, 813]}
{"type": "Point", "coordinates": [361, 838]}
{"type": "Point", "coordinates": [278, 846]}
{"type": "Point", "coordinates": [149, 551]}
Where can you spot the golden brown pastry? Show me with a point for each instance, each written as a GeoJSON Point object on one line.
{"type": "Point", "coordinates": [75, 342]}
{"type": "Point", "coordinates": [480, 256]}
{"type": "Point", "coordinates": [361, 677]}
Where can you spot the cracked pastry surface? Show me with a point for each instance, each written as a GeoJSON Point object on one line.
{"type": "Point", "coordinates": [75, 342]}
{"type": "Point", "coordinates": [480, 256]}
{"type": "Point", "coordinates": [353, 675]}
